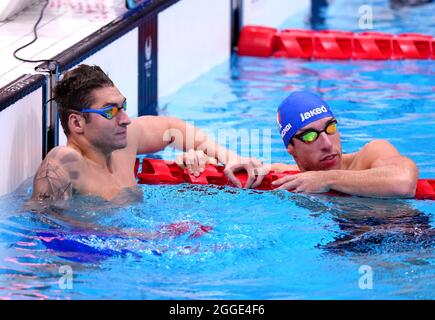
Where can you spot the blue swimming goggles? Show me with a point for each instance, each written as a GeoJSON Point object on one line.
{"type": "Point", "coordinates": [108, 112]}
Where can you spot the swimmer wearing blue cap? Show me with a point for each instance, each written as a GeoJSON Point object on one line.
{"type": "Point", "coordinates": [309, 131]}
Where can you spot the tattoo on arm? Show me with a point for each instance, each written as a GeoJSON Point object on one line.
{"type": "Point", "coordinates": [52, 182]}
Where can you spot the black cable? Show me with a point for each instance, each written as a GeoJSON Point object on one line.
{"type": "Point", "coordinates": [35, 27]}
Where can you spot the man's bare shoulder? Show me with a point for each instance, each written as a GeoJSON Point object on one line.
{"type": "Point", "coordinates": [64, 154]}
{"type": "Point", "coordinates": [57, 174]}
{"type": "Point", "coordinates": [368, 154]}
{"type": "Point", "coordinates": [380, 146]}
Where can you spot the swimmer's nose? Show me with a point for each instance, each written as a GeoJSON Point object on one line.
{"type": "Point", "coordinates": [325, 141]}
{"type": "Point", "coordinates": [124, 119]}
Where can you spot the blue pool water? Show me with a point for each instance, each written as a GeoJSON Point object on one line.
{"type": "Point", "coordinates": [257, 245]}
{"type": "Point", "coordinates": [381, 15]}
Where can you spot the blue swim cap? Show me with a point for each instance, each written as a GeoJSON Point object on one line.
{"type": "Point", "coordinates": [299, 109]}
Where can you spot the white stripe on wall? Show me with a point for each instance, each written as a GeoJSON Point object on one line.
{"type": "Point", "coordinates": [271, 13]}
{"type": "Point", "coordinates": [193, 37]}
{"type": "Point", "coordinates": [21, 150]}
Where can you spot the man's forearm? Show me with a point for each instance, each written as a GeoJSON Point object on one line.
{"type": "Point", "coordinates": [214, 150]}
{"type": "Point", "coordinates": [186, 137]}
{"type": "Point", "coordinates": [389, 181]}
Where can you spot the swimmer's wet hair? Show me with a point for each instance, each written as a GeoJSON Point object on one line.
{"type": "Point", "coordinates": [74, 91]}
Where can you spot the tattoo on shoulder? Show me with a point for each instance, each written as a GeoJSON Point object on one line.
{"type": "Point", "coordinates": [69, 158]}
{"type": "Point", "coordinates": [52, 182]}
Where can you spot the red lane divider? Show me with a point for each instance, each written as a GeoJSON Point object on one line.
{"type": "Point", "coordinates": [374, 46]}
{"type": "Point", "coordinates": [257, 41]}
{"type": "Point", "coordinates": [414, 46]}
{"type": "Point", "coordinates": [294, 44]}
{"type": "Point", "coordinates": [329, 44]}
{"type": "Point", "coordinates": [155, 171]}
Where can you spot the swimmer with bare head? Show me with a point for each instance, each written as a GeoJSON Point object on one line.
{"type": "Point", "coordinates": [103, 142]}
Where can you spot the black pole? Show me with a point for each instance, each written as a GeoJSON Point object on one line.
{"type": "Point", "coordinates": [318, 14]}
{"type": "Point", "coordinates": [236, 22]}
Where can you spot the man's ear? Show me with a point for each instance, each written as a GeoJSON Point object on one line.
{"type": "Point", "coordinates": [76, 123]}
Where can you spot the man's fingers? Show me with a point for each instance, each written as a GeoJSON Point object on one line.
{"type": "Point", "coordinates": [256, 173]}
{"type": "Point", "coordinates": [297, 190]}
{"type": "Point", "coordinates": [190, 160]}
{"type": "Point", "coordinates": [288, 186]}
{"type": "Point", "coordinates": [194, 161]}
{"type": "Point", "coordinates": [261, 172]}
{"type": "Point", "coordinates": [251, 177]}
{"type": "Point", "coordinates": [190, 157]}
{"type": "Point", "coordinates": [195, 165]}
{"type": "Point", "coordinates": [210, 160]}
{"type": "Point", "coordinates": [230, 174]}
{"type": "Point", "coordinates": [258, 181]}
{"type": "Point", "coordinates": [256, 163]}
{"type": "Point", "coordinates": [179, 160]}
{"type": "Point", "coordinates": [287, 183]}
{"type": "Point", "coordinates": [285, 179]}
{"type": "Point", "coordinates": [202, 160]}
